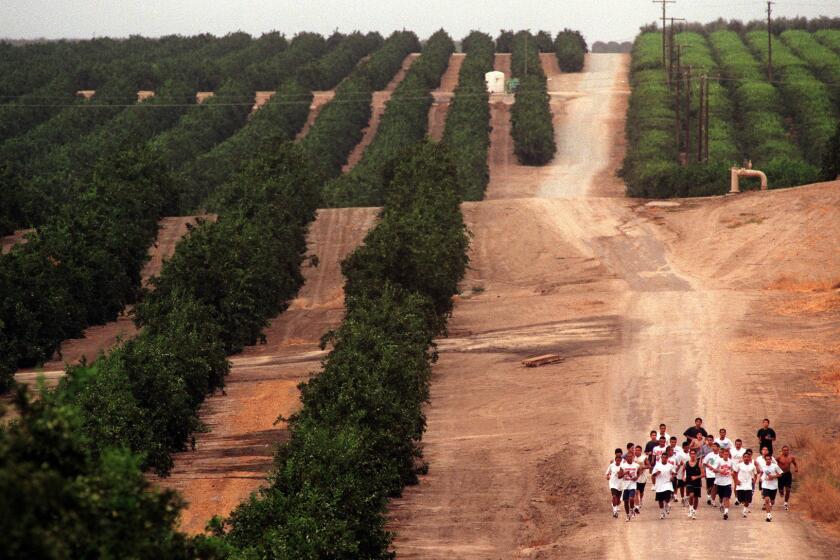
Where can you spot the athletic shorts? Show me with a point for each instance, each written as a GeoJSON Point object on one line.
{"type": "Point", "coordinates": [693, 490]}
{"type": "Point", "coordinates": [786, 480]}
{"type": "Point", "coordinates": [724, 491]}
{"type": "Point", "coordinates": [680, 483]}
{"type": "Point", "coordinates": [615, 492]}
{"type": "Point", "coordinates": [710, 483]}
{"type": "Point", "coordinates": [744, 496]}
{"type": "Point", "coordinates": [768, 493]}
{"type": "Point", "coordinates": [629, 494]}
{"type": "Point", "coordinates": [640, 487]}
{"type": "Point", "coordinates": [664, 496]}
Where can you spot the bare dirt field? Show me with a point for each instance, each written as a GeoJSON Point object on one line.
{"type": "Point", "coordinates": [718, 307]}
{"type": "Point", "coordinates": [380, 99]}
{"type": "Point", "coordinates": [233, 458]}
{"type": "Point", "coordinates": [443, 96]}
{"type": "Point", "coordinates": [100, 338]}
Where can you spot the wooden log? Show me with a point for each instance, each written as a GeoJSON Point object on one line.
{"type": "Point", "coordinates": [542, 360]}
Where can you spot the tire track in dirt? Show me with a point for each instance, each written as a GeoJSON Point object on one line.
{"type": "Point", "coordinates": [232, 459]}
{"type": "Point", "coordinates": [516, 455]}
{"type": "Point", "coordinates": [443, 97]}
{"type": "Point", "coordinates": [378, 102]}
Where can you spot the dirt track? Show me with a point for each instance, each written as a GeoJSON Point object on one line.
{"type": "Point", "coordinates": [100, 338]}
{"type": "Point", "coordinates": [661, 314]}
{"type": "Point", "coordinates": [232, 459]}
{"type": "Point", "coordinates": [319, 99]}
{"type": "Point", "coordinates": [443, 96]}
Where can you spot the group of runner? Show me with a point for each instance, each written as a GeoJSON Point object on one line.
{"type": "Point", "coordinates": [677, 472]}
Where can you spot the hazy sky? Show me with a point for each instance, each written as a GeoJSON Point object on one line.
{"type": "Point", "coordinates": [597, 19]}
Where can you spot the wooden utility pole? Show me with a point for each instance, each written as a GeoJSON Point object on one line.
{"type": "Point", "coordinates": [688, 115]}
{"type": "Point", "coordinates": [677, 104]}
{"type": "Point", "coordinates": [672, 37]}
{"type": "Point", "coordinates": [664, 24]}
{"type": "Point", "coordinates": [769, 42]}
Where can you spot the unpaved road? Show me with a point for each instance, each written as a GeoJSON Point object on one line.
{"type": "Point", "coordinates": [232, 459]}
{"type": "Point", "coordinates": [658, 321]}
{"type": "Point", "coordinates": [443, 96]}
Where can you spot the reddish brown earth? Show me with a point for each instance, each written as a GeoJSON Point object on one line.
{"type": "Point", "coordinates": [443, 96]}
{"type": "Point", "coordinates": [9, 241]}
{"type": "Point", "coordinates": [723, 307]}
{"type": "Point", "coordinates": [99, 338]}
{"type": "Point", "coordinates": [319, 99]}
{"type": "Point", "coordinates": [377, 104]}
{"type": "Point", "coordinates": [233, 458]}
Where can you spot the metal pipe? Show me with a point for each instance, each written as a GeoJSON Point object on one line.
{"type": "Point", "coordinates": [735, 173]}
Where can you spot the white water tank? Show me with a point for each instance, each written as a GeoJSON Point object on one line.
{"type": "Point", "coordinates": [495, 81]}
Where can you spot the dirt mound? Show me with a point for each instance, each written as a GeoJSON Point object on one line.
{"type": "Point", "coordinates": [233, 458]}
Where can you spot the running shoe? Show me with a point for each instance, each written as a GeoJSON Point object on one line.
{"type": "Point", "coordinates": [769, 518]}
{"type": "Point", "coordinates": [786, 506]}
{"type": "Point", "coordinates": [662, 516]}
{"type": "Point", "coordinates": [636, 510]}
{"type": "Point", "coordinates": [615, 514]}
{"type": "Point", "coordinates": [708, 501]}
{"type": "Point", "coordinates": [628, 518]}
{"type": "Point", "coordinates": [725, 516]}
{"type": "Point", "coordinates": [694, 514]}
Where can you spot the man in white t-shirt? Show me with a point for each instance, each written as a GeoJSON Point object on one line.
{"type": "Point", "coordinates": [745, 472]}
{"type": "Point", "coordinates": [723, 480]}
{"type": "Point", "coordinates": [615, 484]}
{"type": "Point", "coordinates": [628, 473]}
{"type": "Point", "coordinates": [641, 482]}
{"type": "Point", "coordinates": [678, 459]}
{"type": "Point", "coordinates": [770, 474]}
{"type": "Point", "coordinates": [659, 451]}
{"type": "Point", "coordinates": [737, 453]}
{"type": "Point", "coordinates": [723, 441]}
{"type": "Point", "coordinates": [663, 433]}
{"type": "Point", "coordinates": [709, 462]}
{"type": "Point", "coordinates": [662, 476]}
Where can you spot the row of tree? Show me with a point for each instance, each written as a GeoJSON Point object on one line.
{"type": "Point", "coordinates": [354, 442]}
{"type": "Point", "coordinates": [570, 48]}
{"type": "Point", "coordinates": [467, 132]}
{"type": "Point", "coordinates": [532, 129]}
{"type": "Point", "coordinates": [403, 123]}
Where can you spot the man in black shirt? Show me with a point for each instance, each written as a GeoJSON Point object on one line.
{"type": "Point", "coordinates": [697, 428]}
{"type": "Point", "coordinates": [650, 446]}
{"type": "Point", "coordinates": [766, 436]}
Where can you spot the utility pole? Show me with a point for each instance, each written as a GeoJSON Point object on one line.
{"type": "Point", "coordinates": [664, 24]}
{"type": "Point", "coordinates": [701, 120]}
{"type": "Point", "coordinates": [688, 115]}
{"type": "Point", "coordinates": [677, 104]}
{"type": "Point", "coordinates": [672, 38]}
{"type": "Point", "coordinates": [769, 42]}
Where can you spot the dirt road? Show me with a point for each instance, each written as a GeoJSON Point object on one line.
{"type": "Point", "coordinates": [642, 304]}
{"type": "Point", "coordinates": [443, 96]}
{"type": "Point", "coordinates": [233, 458]}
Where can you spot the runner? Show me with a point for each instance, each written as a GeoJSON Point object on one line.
{"type": "Point", "coordinates": [759, 462]}
{"type": "Point", "coordinates": [630, 454]}
{"type": "Point", "coordinates": [709, 462]}
{"type": "Point", "coordinates": [615, 484]}
{"type": "Point", "coordinates": [697, 442]}
{"type": "Point", "coordinates": [662, 474]}
{"type": "Point", "coordinates": [737, 453]}
{"type": "Point", "coordinates": [691, 433]}
{"type": "Point", "coordinates": [650, 445]}
{"type": "Point", "coordinates": [785, 460]}
{"type": "Point", "coordinates": [663, 433]}
{"type": "Point", "coordinates": [766, 436]}
{"type": "Point", "coordinates": [770, 474]}
{"type": "Point", "coordinates": [644, 468]}
{"type": "Point", "coordinates": [723, 441]}
{"type": "Point", "coordinates": [693, 482]}
{"type": "Point", "coordinates": [628, 472]}
{"type": "Point", "coordinates": [723, 480]}
{"type": "Point", "coordinates": [659, 450]}
{"type": "Point", "coordinates": [745, 472]}
{"type": "Point", "coordinates": [678, 459]}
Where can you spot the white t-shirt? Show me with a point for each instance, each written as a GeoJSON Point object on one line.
{"type": "Point", "coordinates": [643, 473]}
{"type": "Point", "coordinates": [746, 474]}
{"type": "Point", "coordinates": [612, 470]}
{"type": "Point", "coordinates": [766, 470]}
{"type": "Point", "coordinates": [629, 470]}
{"type": "Point", "coordinates": [657, 453]}
{"type": "Point", "coordinates": [663, 473]}
{"type": "Point", "coordinates": [678, 459]}
{"type": "Point", "coordinates": [724, 475]}
{"type": "Point", "coordinates": [711, 460]}
{"type": "Point", "coordinates": [667, 437]}
{"type": "Point", "coordinates": [738, 454]}
{"type": "Point", "coordinates": [724, 443]}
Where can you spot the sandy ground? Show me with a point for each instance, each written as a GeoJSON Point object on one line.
{"type": "Point", "coordinates": [319, 99]}
{"type": "Point", "coordinates": [661, 315]}
{"type": "Point", "coordinates": [443, 96]}
{"type": "Point", "coordinates": [231, 460]}
{"type": "Point", "coordinates": [99, 338]}
{"type": "Point", "coordinates": [377, 103]}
